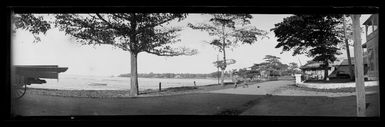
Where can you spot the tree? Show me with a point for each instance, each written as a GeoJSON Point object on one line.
{"type": "Point", "coordinates": [272, 65]}
{"type": "Point", "coordinates": [247, 74]}
{"type": "Point", "coordinates": [293, 68]}
{"type": "Point", "coordinates": [34, 24]}
{"type": "Point", "coordinates": [259, 66]}
{"type": "Point", "coordinates": [315, 35]}
{"type": "Point", "coordinates": [283, 68]}
{"type": "Point", "coordinates": [346, 39]}
{"type": "Point", "coordinates": [132, 32]}
{"type": "Point", "coordinates": [222, 63]}
{"type": "Point", "coordinates": [229, 30]}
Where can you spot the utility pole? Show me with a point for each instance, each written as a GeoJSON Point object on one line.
{"type": "Point", "coordinates": [359, 69]}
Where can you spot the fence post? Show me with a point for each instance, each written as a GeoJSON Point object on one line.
{"type": "Point", "coordinates": [160, 86]}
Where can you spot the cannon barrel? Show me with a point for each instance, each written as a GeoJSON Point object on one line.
{"type": "Point", "coordinates": [39, 71]}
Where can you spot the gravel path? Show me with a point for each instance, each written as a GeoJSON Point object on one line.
{"type": "Point", "coordinates": [283, 98]}
{"type": "Point", "coordinates": [256, 89]}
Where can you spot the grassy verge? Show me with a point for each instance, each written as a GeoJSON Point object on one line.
{"type": "Point", "coordinates": [329, 81]}
{"type": "Point", "coordinates": [337, 90]}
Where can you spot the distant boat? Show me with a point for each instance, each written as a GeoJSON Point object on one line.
{"type": "Point", "coordinates": [97, 84]}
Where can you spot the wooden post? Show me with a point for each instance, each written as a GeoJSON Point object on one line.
{"type": "Point", "coordinates": [360, 86]}
{"type": "Point", "coordinates": [160, 86]}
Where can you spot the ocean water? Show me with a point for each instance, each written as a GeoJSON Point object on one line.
{"type": "Point", "coordinates": [85, 82]}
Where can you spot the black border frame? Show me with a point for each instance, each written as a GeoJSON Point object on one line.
{"type": "Point", "coordinates": [192, 6]}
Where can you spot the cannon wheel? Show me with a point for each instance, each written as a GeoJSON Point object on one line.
{"type": "Point", "coordinates": [19, 88]}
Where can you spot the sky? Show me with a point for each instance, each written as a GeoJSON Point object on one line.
{"type": "Point", "coordinates": [56, 48]}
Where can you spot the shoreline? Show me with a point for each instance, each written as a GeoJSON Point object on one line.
{"type": "Point", "coordinates": [125, 93]}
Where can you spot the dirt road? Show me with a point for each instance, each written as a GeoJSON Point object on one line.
{"type": "Point", "coordinates": [267, 98]}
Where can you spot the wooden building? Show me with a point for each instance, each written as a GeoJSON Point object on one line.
{"type": "Point", "coordinates": [370, 48]}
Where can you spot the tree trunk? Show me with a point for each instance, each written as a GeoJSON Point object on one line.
{"type": "Point", "coordinates": [326, 71]}
{"type": "Point", "coordinates": [224, 56]}
{"type": "Point", "coordinates": [348, 52]}
{"type": "Point", "coordinates": [350, 63]}
{"type": "Point", "coordinates": [223, 77]}
{"type": "Point", "coordinates": [134, 91]}
{"type": "Point", "coordinates": [223, 68]}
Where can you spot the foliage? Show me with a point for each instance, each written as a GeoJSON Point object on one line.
{"type": "Point", "coordinates": [228, 31]}
{"type": "Point", "coordinates": [34, 24]}
{"type": "Point", "coordinates": [272, 66]}
{"type": "Point", "coordinates": [134, 32]}
{"type": "Point", "coordinates": [349, 31]}
{"type": "Point", "coordinates": [221, 63]}
{"type": "Point", "coordinates": [247, 74]}
{"type": "Point", "coordinates": [316, 36]}
{"type": "Point", "coordinates": [293, 68]}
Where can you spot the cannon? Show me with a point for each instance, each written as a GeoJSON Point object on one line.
{"type": "Point", "coordinates": [31, 74]}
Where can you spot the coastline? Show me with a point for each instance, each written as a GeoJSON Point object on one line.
{"type": "Point", "coordinates": [125, 93]}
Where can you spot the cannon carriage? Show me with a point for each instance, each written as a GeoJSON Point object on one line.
{"type": "Point", "coordinates": [25, 75]}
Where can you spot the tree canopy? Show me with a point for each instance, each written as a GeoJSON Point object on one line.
{"type": "Point", "coordinates": [272, 65]}
{"type": "Point", "coordinates": [34, 24]}
{"type": "Point", "coordinates": [228, 31]}
{"type": "Point", "coordinates": [247, 74]}
{"type": "Point", "coordinates": [134, 32]}
{"type": "Point", "coordinates": [316, 36]}
{"type": "Point", "coordinates": [221, 63]}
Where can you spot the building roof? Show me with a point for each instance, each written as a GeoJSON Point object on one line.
{"type": "Point", "coordinates": [346, 62]}
{"type": "Point", "coordinates": [372, 20]}
{"type": "Point", "coordinates": [317, 65]}
{"type": "Point", "coordinates": [311, 66]}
